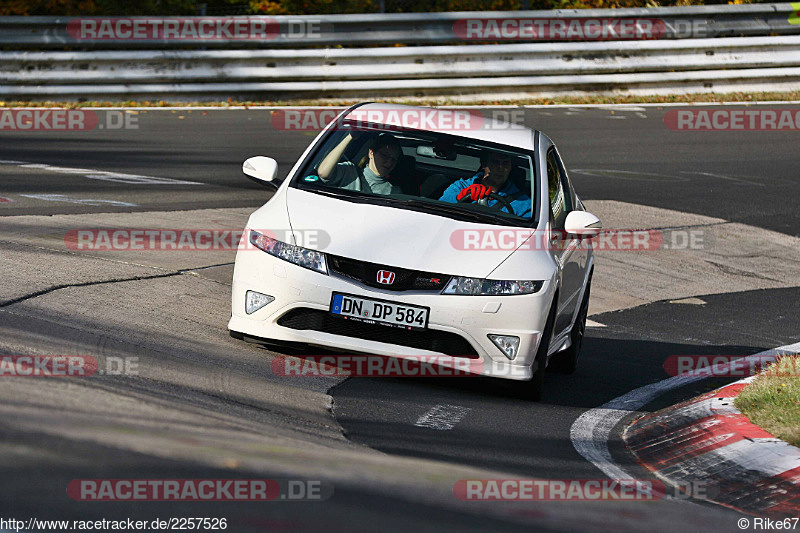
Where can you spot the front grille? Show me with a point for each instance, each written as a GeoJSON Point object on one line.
{"type": "Point", "coordinates": [367, 274]}
{"type": "Point", "coordinates": [433, 340]}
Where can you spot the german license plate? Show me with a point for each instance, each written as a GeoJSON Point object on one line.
{"type": "Point", "coordinates": [383, 312]}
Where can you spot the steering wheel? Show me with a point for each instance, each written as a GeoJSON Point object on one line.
{"type": "Point", "coordinates": [506, 203]}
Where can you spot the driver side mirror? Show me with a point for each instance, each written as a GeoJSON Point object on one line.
{"type": "Point", "coordinates": [261, 169]}
{"type": "Point", "coordinates": [583, 224]}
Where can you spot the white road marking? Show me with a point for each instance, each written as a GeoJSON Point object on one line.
{"type": "Point", "coordinates": [442, 417]}
{"type": "Point", "coordinates": [117, 177]}
{"type": "Point", "coordinates": [729, 178]}
{"type": "Point", "coordinates": [628, 175]}
{"type": "Point", "coordinates": [590, 432]}
{"type": "Point", "coordinates": [624, 107]}
{"type": "Point", "coordinates": [689, 301]}
{"type": "Point", "coordinates": [82, 201]}
{"type": "Point", "coordinates": [593, 324]}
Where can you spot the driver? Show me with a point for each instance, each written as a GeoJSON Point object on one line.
{"type": "Point", "coordinates": [372, 174]}
{"type": "Point", "coordinates": [492, 178]}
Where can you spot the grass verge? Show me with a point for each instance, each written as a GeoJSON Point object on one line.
{"type": "Point", "coordinates": [734, 98]}
{"type": "Point", "coordinates": [772, 400]}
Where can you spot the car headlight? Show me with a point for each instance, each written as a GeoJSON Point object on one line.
{"type": "Point", "coordinates": [490, 287]}
{"type": "Point", "coordinates": [303, 257]}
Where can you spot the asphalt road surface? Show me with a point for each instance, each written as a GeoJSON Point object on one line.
{"type": "Point", "coordinates": [621, 154]}
{"type": "Point", "coordinates": [202, 405]}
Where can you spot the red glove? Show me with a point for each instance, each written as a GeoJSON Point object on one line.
{"type": "Point", "coordinates": [476, 191]}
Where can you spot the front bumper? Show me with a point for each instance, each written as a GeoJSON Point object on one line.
{"type": "Point", "coordinates": [471, 317]}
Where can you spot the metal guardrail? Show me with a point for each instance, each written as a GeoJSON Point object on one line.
{"type": "Point", "coordinates": [558, 67]}
{"type": "Point", "coordinates": [414, 28]}
{"type": "Point", "coordinates": [721, 64]}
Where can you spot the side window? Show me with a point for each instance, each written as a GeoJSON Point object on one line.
{"type": "Point", "coordinates": [567, 183]}
{"type": "Point", "coordinates": [560, 200]}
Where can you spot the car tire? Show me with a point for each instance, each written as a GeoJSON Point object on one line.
{"type": "Point", "coordinates": [566, 362]}
{"type": "Point", "coordinates": [532, 390]}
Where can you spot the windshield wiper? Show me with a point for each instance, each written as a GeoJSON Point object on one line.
{"type": "Point", "coordinates": [452, 209]}
{"type": "Point", "coordinates": [337, 193]}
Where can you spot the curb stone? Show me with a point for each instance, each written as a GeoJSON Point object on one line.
{"type": "Point", "coordinates": [708, 440]}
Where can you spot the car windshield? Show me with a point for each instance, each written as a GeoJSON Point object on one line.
{"type": "Point", "coordinates": [445, 175]}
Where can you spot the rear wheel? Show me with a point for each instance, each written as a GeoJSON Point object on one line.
{"type": "Point", "coordinates": [566, 362]}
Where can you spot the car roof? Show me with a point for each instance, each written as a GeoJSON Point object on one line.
{"type": "Point", "coordinates": [462, 122]}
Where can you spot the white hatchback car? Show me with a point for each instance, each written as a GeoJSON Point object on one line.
{"type": "Point", "coordinates": [434, 234]}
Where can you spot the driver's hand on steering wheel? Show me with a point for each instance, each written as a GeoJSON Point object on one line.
{"type": "Point", "coordinates": [475, 192]}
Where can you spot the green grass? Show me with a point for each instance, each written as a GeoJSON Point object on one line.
{"type": "Point", "coordinates": [442, 100]}
{"type": "Point", "coordinates": [772, 400]}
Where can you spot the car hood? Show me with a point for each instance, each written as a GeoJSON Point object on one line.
{"type": "Point", "coordinates": [391, 236]}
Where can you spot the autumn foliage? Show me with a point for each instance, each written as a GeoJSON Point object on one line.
{"type": "Point", "coordinates": [308, 7]}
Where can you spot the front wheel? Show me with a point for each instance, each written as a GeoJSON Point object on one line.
{"type": "Point", "coordinates": [532, 390]}
{"type": "Point", "coordinates": [567, 361]}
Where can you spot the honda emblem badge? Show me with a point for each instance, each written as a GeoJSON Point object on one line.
{"type": "Point", "coordinates": [386, 277]}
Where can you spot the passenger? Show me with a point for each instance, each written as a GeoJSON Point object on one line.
{"type": "Point", "coordinates": [373, 172]}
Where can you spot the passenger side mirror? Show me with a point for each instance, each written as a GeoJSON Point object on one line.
{"type": "Point", "coordinates": [261, 169]}
{"type": "Point", "coordinates": [583, 224]}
